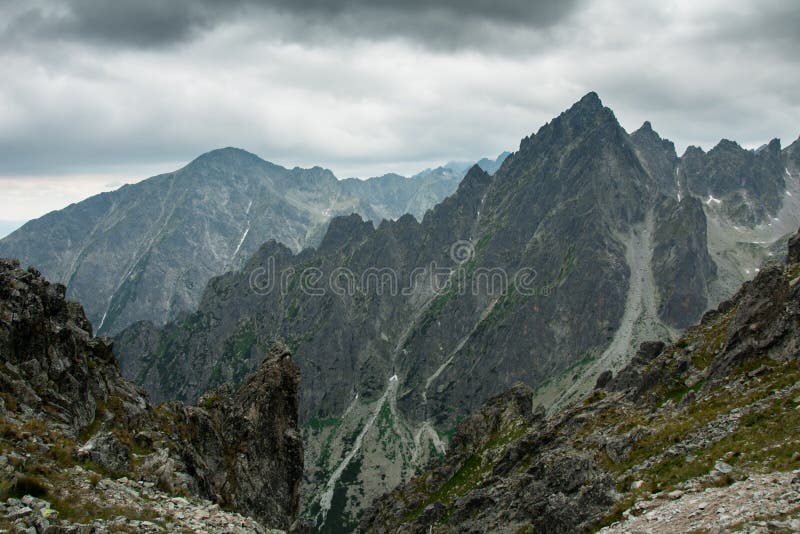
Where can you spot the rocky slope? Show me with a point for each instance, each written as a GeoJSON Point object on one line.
{"type": "Point", "coordinates": [79, 444]}
{"type": "Point", "coordinates": [697, 435]}
{"type": "Point", "coordinates": [550, 271]}
{"type": "Point", "coordinates": [146, 251]}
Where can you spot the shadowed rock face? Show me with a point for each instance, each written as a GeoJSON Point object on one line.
{"type": "Point", "coordinates": [240, 448]}
{"type": "Point", "coordinates": [682, 267]}
{"type": "Point", "coordinates": [244, 446]}
{"type": "Point", "coordinates": [679, 422]}
{"type": "Point", "coordinates": [793, 255]}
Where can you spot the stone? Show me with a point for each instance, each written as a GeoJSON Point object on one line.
{"type": "Point", "coordinates": [18, 513]}
{"type": "Point", "coordinates": [722, 467]}
{"type": "Point", "coordinates": [604, 378]}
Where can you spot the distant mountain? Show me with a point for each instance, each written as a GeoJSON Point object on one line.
{"type": "Point", "coordinates": [488, 165]}
{"type": "Point", "coordinates": [146, 251]}
{"type": "Point", "coordinates": [585, 242]}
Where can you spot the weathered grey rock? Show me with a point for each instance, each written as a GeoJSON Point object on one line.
{"type": "Point", "coordinates": [604, 378]}
{"type": "Point", "coordinates": [105, 449]}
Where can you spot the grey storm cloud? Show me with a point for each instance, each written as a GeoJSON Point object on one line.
{"type": "Point", "coordinates": [116, 90]}
{"type": "Point", "coordinates": [155, 23]}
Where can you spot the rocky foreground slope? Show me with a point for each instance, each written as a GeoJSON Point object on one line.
{"type": "Point", "coordinates": [699, 435]}
{"type": "Point", "coordinates": [80, 445]}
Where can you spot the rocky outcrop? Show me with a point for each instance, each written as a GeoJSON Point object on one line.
{"type": "Point", "coordinates": [51, 360]}
{"type": "Point", "coordinates": [64, 401]}
{"type": "Point", "coordinates": [482, 486]}
{"type": "Point", "coordinates": [244, 447]}
{"type": "Point", "coordinates": [698, 434]}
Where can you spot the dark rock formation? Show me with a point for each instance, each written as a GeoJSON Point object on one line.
{"type": "Point", "coordinates": [682, 266]}
{"type": "Point", "coordinates": [238, 448]}
{"type": "Point", "coordinates": [244, 447]}
{"type": "Point", "coordinates": [52, 361]}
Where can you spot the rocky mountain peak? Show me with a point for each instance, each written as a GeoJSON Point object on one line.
{"type": "Point", "coordinates": [589, 112]}
{"type": "Point", "coordinates": [584, 116]}
{"type": "Point", "coordinates": [589, 102]}
{"type": "Point", "coordinates": [647, 133]}
{"type": "Point", "coordinates": [727, 144]}
{"type": "Point", "coordinates": [748, 186]}
{"type": "Point", "coordinates": [774, 146]}
{"type": "Point", "coordinates": [344, 229]}
{"type": "Point", "coordinates": [222, 158]}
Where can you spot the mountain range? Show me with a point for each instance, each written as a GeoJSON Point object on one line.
{"type": "Point", "coordinates": [585, 242]}
{"type": "Point", "coordinates": [146, 251]}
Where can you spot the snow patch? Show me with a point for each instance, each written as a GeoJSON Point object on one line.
{"type": "Point", "coordinates": [239, 246]}
{"type": "Point", "coordinates": [102, 321]}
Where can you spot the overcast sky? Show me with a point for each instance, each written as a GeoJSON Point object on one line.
{"type": "Point", "coordinates": [94, 94]}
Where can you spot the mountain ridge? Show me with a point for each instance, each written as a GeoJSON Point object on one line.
{"type": "Point", "coordinates": [618, 259]}
{"type": "Point", "coordinates": [146, 250]}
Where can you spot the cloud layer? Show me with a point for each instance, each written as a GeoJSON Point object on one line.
{"type": "Point", "coordinates": [111, 89]}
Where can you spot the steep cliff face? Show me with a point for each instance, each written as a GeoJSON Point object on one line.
{"type": "Point", "coordinates": [747, 186]}
{"type": "Point", "coordinates": [684, 430]}
{"type": "Point", "coordinates": [244, 446]}
{"type": "Point", "coordinates": [65, 403]}
{"type": "Point", "coordinates": [146, 251]}
{"type": "Point", "coordinates": [682, 267]}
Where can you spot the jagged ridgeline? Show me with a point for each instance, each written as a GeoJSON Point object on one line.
{"type": "Point", "coordinates": [83, 450]}
{"type": "Point", "coordinates": [620, 239]}
{"type": "Point", "coordinates": [697, 436]}
{"type": "Point", "coordinates": [146, 251]}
